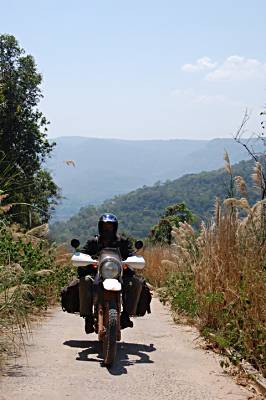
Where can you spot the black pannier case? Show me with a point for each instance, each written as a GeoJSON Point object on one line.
{"type": "Point", "coordinates": [136, 296]}
{"type": "Point", "coordinates": [144, 301]}
{"type": "Point", "coordinates": [70, 297]}
{"type": "Point", "coordinates": [132, 287]}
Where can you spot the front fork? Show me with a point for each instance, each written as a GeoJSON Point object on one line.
{"type": "Point", "coordinates": [106, 300]}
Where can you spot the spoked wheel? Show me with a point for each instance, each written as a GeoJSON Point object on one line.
{"type": "Point", "coordinates": [109, 342]}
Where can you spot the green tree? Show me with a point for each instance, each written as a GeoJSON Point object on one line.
{"type": "Point", "coordinates": [23, 138]}
{"type": "Point", "coordinates": [173, 215]}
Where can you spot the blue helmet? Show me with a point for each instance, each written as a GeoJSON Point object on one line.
{"type": "Point", "coordinates": [107, 219]}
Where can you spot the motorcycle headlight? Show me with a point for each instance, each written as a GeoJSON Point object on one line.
{"type": "Point", "coordinates": [110, 269]}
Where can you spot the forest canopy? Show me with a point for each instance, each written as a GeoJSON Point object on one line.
{"type": "Point", "coordinates": [139, 210]}
{"type": "Point", "coordinates": [23, 140]}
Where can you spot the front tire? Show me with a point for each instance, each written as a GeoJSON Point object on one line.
{"type": "Point", "coordinates": [109, 343]}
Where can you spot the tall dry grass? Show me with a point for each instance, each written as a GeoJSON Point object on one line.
{"type": "Point", "coordinates": [230, 280]}
{"type": "Point", "coordinates": [155, 271]}
{"type": "Point", "coordinates": [218, 275]}
{"type": "Point", "coordinates": [32, 273]}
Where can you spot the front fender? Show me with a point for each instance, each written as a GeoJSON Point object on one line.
{"type": "Point", "coordinates": [112, 284]}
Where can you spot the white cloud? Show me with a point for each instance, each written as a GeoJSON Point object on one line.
{"type": "Point", "coordinates": [189, 95]}
{"type": "Point", "coordinates": [201, 64]}
{"type": "Point", "coordinates": [236, 68]}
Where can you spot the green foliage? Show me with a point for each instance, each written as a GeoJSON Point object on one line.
{"type": "Point", "coordinates": [31, 257]}
{"type": "Point", "coordinates": [180, 290]}
{"type": "Point", "coordinates": [229, 328]}
{"type": "Point", "coordinates": [157, 161]}
{"type": "Point", "coordinates": [23, 140]}
{"type": "Point", "coordinates": [174, 214]}
{"type": "Point", "coordinates": [217, 282]}
{"type": "Point", "coordinates": [141, 209]}
{"type": "Point", "coordinates": [30, 280]}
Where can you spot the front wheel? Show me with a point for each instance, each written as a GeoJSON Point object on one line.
{"type": "Point", "coordinates": [109, 342]}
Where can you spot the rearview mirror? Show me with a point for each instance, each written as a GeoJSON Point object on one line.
{"type": "Point", "coordinates": [75, 243]}
{"type": "Point", "coordinates": [139, 244]}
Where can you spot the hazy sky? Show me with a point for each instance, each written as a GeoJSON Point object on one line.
{"type": "Point", "coordinates": [145, 69]}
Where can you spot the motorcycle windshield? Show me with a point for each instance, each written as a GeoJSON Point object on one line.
{"type": "Point", "coordinates": [110, 264]}
{"type": "Point", "coordinates": [110, 252]}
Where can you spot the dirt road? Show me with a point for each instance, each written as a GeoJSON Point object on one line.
{"type": "Point", "coordinates": [156, 360]}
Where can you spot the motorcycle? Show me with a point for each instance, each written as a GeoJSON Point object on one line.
{"type": "Point", "coordinates": [107, 293]}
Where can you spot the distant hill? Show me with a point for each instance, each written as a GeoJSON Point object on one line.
{"type": "Point", "coordinates": [139, 210]}
{"type": "Point", "coordinates": [108, 167]}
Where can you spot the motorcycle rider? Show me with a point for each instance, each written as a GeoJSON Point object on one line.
{"type": "Point", "coordinates": [107, 237]}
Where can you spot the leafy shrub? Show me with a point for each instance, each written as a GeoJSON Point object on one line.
{"type": "Point", "coordinates": [173, 215]}
{"type": "Point", "coordinates": [218, 276]}
{"type": "Point", "coordinates": [181, 291]}
{"type": "Point", "coordinates": [32, 273]}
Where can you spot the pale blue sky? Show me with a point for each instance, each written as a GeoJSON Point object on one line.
{"type": "Point", "coordinates": [145, 69]}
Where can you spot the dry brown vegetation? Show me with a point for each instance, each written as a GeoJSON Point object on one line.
{"type": "Point", "coordinates": [155, 271]}
{"type": "Point", "coordinates": [31, 275]}
{"type": "Point", "coordinates": [217, 275]}
{"type": "Point", "coordinates": [230, 280]}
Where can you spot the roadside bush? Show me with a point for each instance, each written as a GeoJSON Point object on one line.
{"type": "Point", "coordinates": [172, 217]}
{"type": "Point", "coordinates": [32, 273]}
{"type": "Point", "coordinates": [181, 291]}
{"type": "Point", "coordinates": [218, 276]}
{"type": "Point", "coordinates": [231, 280]}
{"type": "Point", "coordinates": [155, 271]}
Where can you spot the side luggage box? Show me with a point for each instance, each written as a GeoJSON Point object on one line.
{"type": "Point", "coordinates": [70, 297]}
{"type": "Point", "coordinates": [136, 296]}
{"type": "Point", "coordinates": [144, 301]}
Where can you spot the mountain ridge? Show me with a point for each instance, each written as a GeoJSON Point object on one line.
{"type": "Point", "coordinates": [106, 167]}
{"type": "Point", "coordinates": [140, 209]}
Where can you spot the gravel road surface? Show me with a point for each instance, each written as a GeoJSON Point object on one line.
{"type": "Point", "coordinates": [156, 360]}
